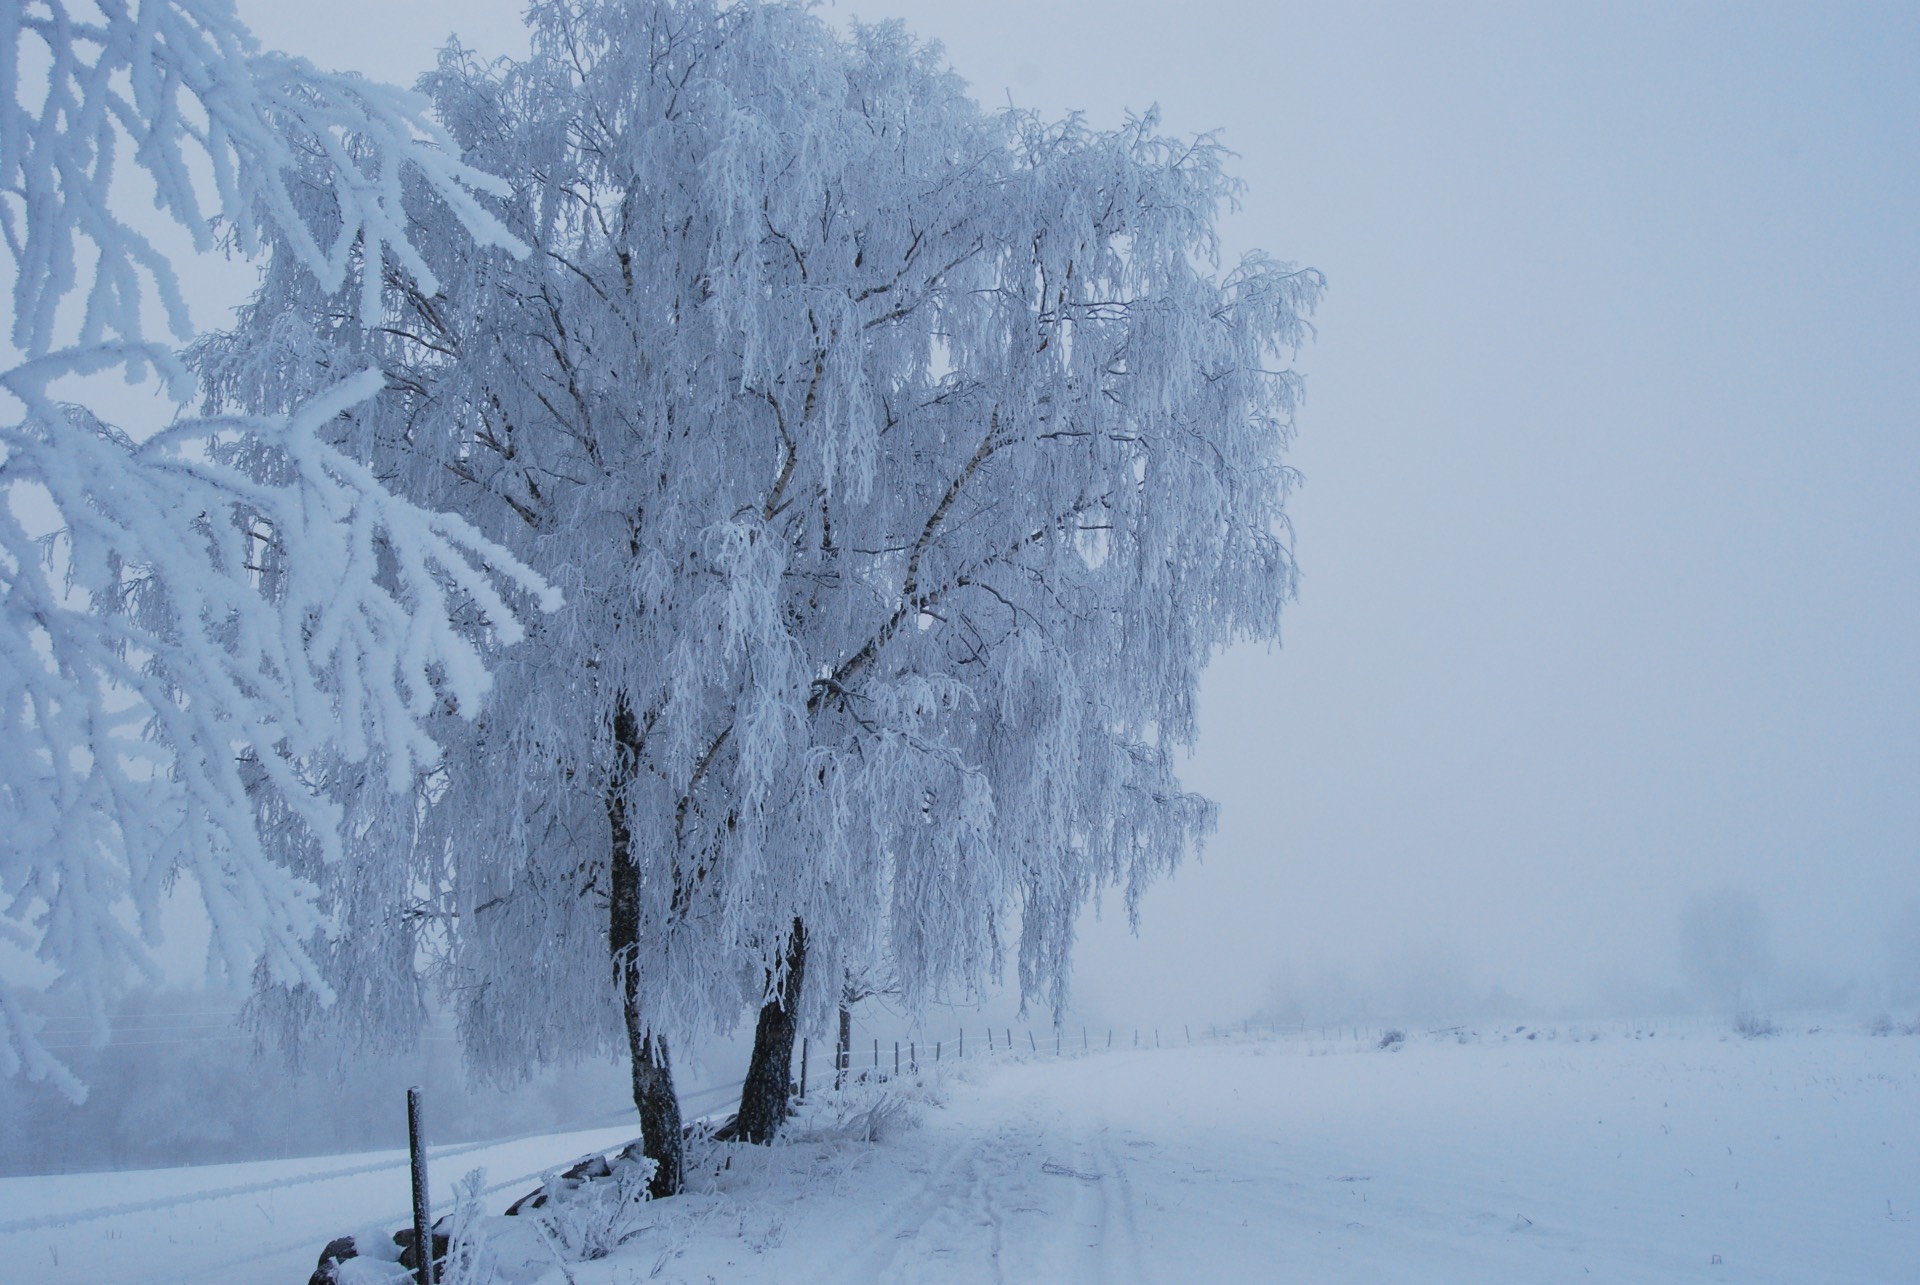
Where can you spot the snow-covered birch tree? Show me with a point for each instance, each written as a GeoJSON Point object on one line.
{"type": "Point", "coordinates": [902, 466]}
{"type": "Point", "coordinates": [198, 614]}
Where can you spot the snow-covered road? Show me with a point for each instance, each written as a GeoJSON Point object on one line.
{"type": "Point", "coordinates": [1489, 1156]}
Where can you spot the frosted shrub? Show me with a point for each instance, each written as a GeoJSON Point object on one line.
{"type": "Point", "coordinates": [864, 1112]}
{"type": "Point", "coordinates": [589, 1220]}
{"type": "Point", "coordinates": [469, 1259]}
{"type": "Point", "coordinates": [1753, 1026]}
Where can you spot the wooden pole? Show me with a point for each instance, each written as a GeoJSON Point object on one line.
{"type": "Point", "coordinates": [803, 1068]}
{"type": "Point", "coordinates": [422, 1224]}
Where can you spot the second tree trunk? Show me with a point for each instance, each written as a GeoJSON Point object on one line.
{"type": "Point", "coordinates": [763, 1098]}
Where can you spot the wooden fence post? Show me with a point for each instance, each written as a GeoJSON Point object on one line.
{"type": "Point", "coordinates": [422, 1224]}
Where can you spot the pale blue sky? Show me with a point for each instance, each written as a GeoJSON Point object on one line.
{"type": "Point", "coordinates": [1611, 577]}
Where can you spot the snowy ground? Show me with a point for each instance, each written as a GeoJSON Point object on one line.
{"type": "Point", "coordinates": [1681, 1155]}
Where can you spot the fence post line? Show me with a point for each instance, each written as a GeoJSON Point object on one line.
{"type": "Point", "coordinates": [896, 1057]}
{"type": "Point", "coordinates": [803, 1068]}
{"type": "Point", "coordinates": [1083, 1039]}
{"type": "Point", "coordinates": [422, 1223]}
{"type": "Point", "coordinates": [876, 1055]}
{"type": "Point", "coordinates": [1030, 1041]}
{"type": "Point", "coordinates": [963, 1041]}
{"type": "Point", "coordinates": [1188, 1030]}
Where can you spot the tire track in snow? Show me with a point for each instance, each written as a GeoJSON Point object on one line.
{"type": "Point", "coordinates": [918, 1236]}
{"type": "Point", "coordinates": [1096, 1238]}
{"type": "Point", "coordinates": [1119, 1227]}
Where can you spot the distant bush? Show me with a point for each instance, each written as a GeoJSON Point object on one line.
{"type": "Point", "coordinates": [1880, 1024]}
{"type": "Point", "coordinates": [1393, 1039]}
{"type": "Point", "coordinates": [1753, 1026]}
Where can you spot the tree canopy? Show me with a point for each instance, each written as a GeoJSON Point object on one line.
{"type": "Point", "coordinates": [902, 465]}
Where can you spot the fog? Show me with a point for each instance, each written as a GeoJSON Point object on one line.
{"type": "Point", "coordinates": [1600, 693]}
{"type": "Point", "coordinates": [1610, 593]}
{"type": "Point", "coordinates": [1610, 573]}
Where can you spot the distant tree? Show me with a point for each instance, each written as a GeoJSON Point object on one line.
{"type": "Point", "coordinates": [1903, 952]}
{"type": "Point", "coordinates": [902, 465]}
{"type": "Point", "coordinates": [195, 615]}
{"type": "Point", "coordinates": [1726, 948]}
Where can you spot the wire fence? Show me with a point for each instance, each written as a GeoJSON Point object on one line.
{"type": "Point", "coordinates": [913, 1053]}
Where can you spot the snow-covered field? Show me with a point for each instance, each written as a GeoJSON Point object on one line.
{"type": "Point", "coordinates": [1588, 1153]}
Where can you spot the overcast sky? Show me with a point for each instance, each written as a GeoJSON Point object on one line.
{"type": "Point", "coordinates": [1611, 582]}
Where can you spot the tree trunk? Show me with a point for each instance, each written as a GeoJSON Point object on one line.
{"type": "Point", "coordinates": [659, 1106]}
{"type": "Point", "coordinates": [843, 1046]}
{"type": "Point", "coordinates": [763, 1099]}
{"type": "Point", "coordinates": [653, 1093]}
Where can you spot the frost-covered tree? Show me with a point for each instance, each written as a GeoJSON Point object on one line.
{"type": "Point", "coordinates": [196, 615]}
{"type": "Point", "coordinates": [901, 464]}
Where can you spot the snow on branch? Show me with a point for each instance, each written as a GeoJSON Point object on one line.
{"type": "Point", "coordinates": [220, 129]}
{"type": "Point", "coordinates": [195, 616]}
